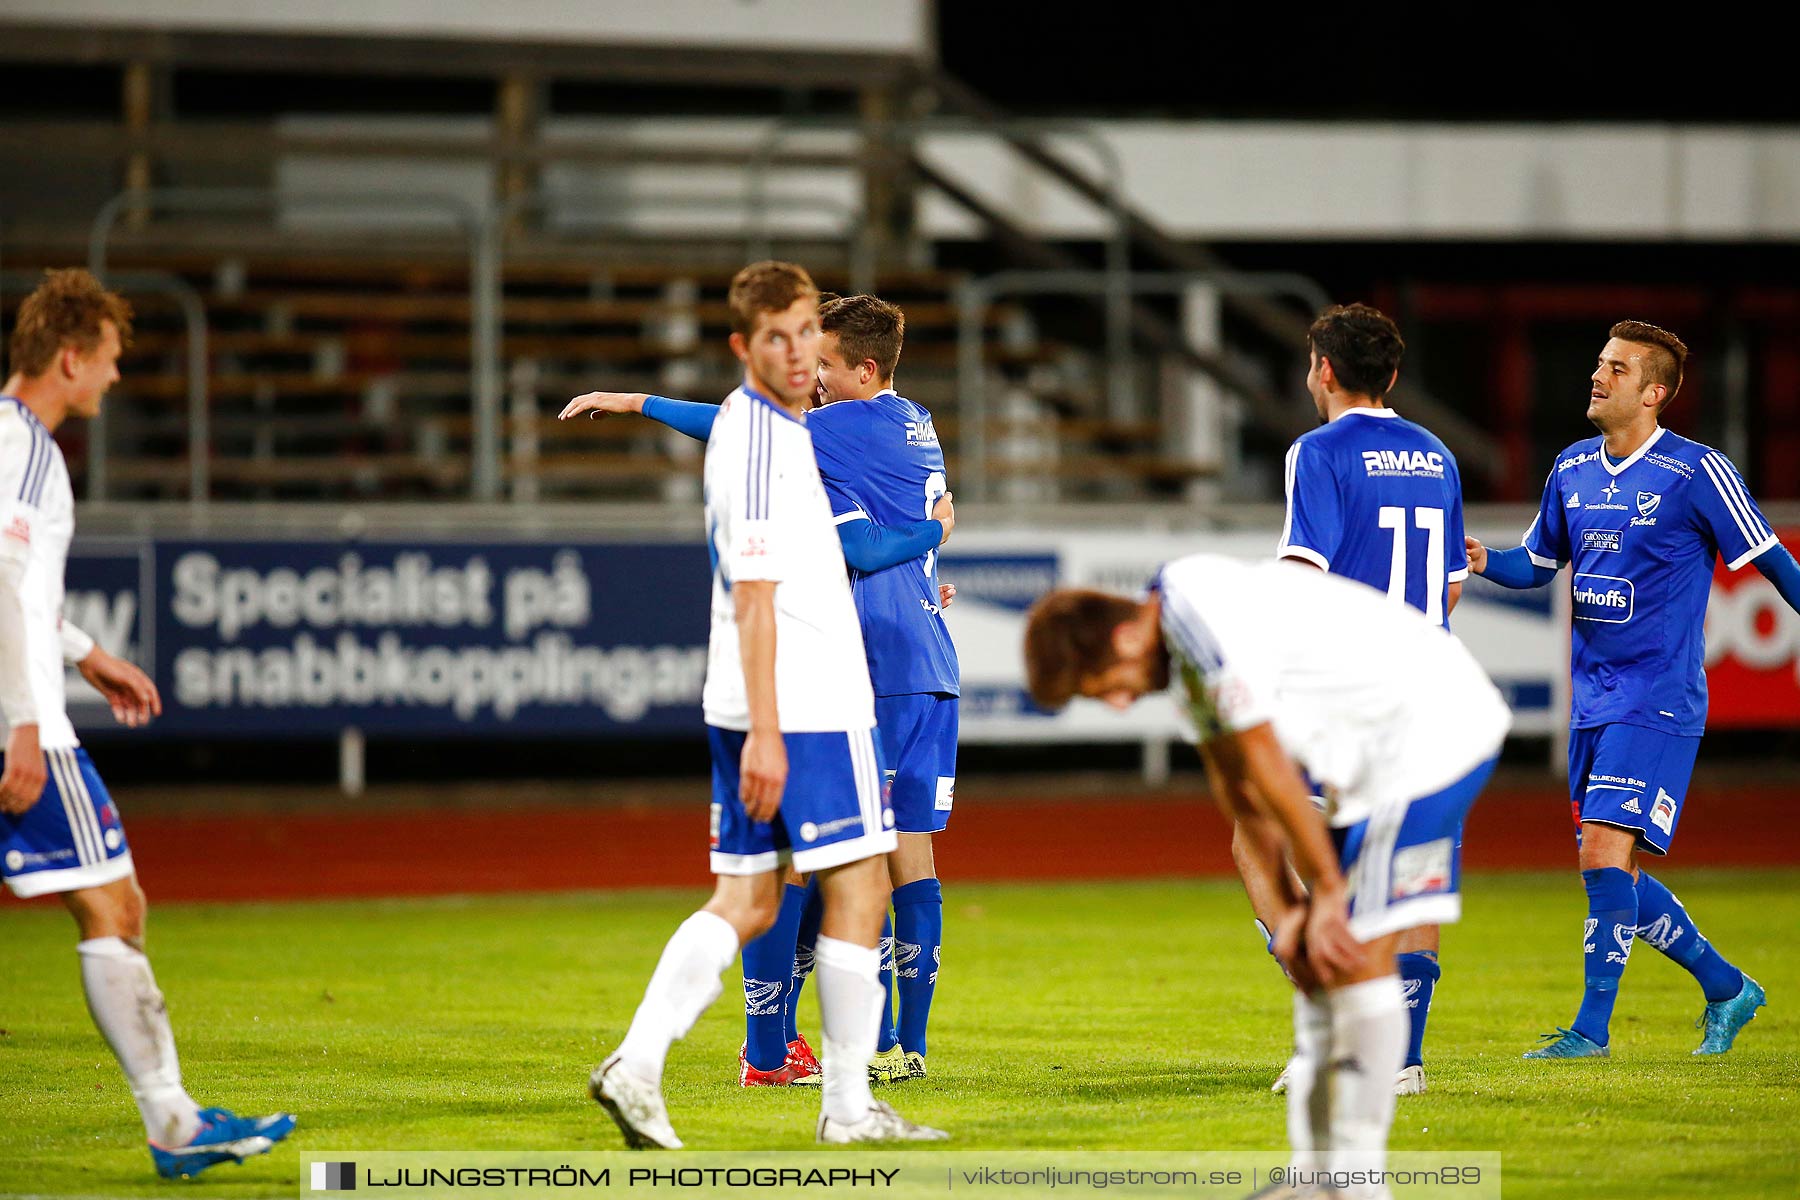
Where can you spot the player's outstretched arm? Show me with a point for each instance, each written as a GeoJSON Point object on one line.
{"type": "Point", "coordinates": [683, 416]}
{"type": "Point", "coordinates": [1513, 568]}
{"type": "Point", "coordinates": [1779, 568]}
{"type": "Point", "coordinates": [22, 782]}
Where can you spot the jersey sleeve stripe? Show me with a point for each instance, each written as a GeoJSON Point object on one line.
{"type": "Point", "coordinates": [1540, 560]}
{"type": "Point", "coordinates": [756, 479]}
{"type": "Point", "coordinates": [1191, 634]}
{"type": "Point", "coordinates": [33, 457]}
{"type": "Point", "coordinates": [1732, 491]}
{"type": "Point", "coordinates": [1292, 465]}
{"type": "Point", "coordinates": [46, 454]}
{"type": "Point", "coordinates": [1459, 575]}
{"type": "Point", "coordinates": [855, 514]}
{"type": "Point", "coordinates": [1756, 551]}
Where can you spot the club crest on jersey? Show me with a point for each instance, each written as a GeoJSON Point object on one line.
{"type": "Point", "coordinates": [1648, 503]}
{"type": "Point", "coordinates": [1403, 462]}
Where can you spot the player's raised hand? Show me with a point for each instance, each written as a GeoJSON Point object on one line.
{"type": "Point", "coordinates": [599, 404]}
{"type": "Point", "coordinates": [1331, 949]}
{"type": "Point", "coordinates": [946, 595]}
{"type": "Point", "coordinates": [23, 780]}
{"type": "Point", "coordinates": [127, 689]}
{"type": "Point", "coordinates": [1477, 555]}
{"type": "Point", "coordinates": [944, 511]}
{"type": "Point", "coordinates": [762, 774]}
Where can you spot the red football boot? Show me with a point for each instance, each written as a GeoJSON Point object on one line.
{"type": "Point", "coordinates": [790, 1073]}
{"type": "Point", "coordinates": [802, 1054]}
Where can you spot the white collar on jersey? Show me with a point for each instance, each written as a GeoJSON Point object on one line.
{"type": "Point", "coordinates": [1650, 441]}
{"type": "Point", "coordinates": [885, 392]}
{"type": "Point", "coordinates": [1366, 411]}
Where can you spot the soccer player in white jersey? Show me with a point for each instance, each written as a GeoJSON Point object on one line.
{"type": "Point", "coordinates": [59, 831]}
{"type": "Point", "coordinates": [1388, 713]}
{"type": "Point", "coordinates": [1639, 514]}
{"type": "Point", "coordinates": [1373, 497]}
{"type": "Point", "coordinates": [791, 719]}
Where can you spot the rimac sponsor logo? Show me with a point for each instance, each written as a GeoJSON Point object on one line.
{"type": "Point", "coordinates": [921, 433]}
{"type": "Point", "coordinates": [1403, 462]}
{"type": "Point", "coordinates": [1604, 599]}
{"type": "Point", "coordinates": [1609, 491]}
{"type": "Point", "coordinates": [1607, 541]}
{"type": "Point", "coordinates": [1648, 503]}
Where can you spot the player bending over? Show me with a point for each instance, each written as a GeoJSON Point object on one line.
{"type": "Point", "coordinates": [1639, 514]}
{"type": "Point", "coordinates": [1373, 497]}
{"type": "Point", "coordinates": [59, 831]}
{"type": "Point", "coordinates": [883, 471]}
{"type": "Point", "coordinates": [790, 716]}
{"type": "Point", "coordinates": [1391, 715]}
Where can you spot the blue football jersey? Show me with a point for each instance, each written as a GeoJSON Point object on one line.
{"type": "Point", "coordinates": [1375, 498]}
{"type": "Point", "coordinates": [881, 462]}
{"type": "Point", "coordinates": [1640, 537]}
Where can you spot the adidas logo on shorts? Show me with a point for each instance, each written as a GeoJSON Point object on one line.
{"type": "Point", "coordinates": [1631, 806]}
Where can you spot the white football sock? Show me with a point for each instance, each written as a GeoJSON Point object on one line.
{"type": "Point", "coordinates": [685, 982]}
{"type": "Point", "coordinates": [1309, 1087]}
{"type": "Point", "coordinates": [850, 1002]}
{"type": "Point", "coordinates": [1368, 1048]}
{"type": "Point", "coordinates": [129, 1011]}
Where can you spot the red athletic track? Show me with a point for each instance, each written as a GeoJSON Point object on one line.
{"type": "Point", "coordinates": [555, 847]}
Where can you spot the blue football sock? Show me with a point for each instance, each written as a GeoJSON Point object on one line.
{"type": "Point", "coordinates": [918, 938]}
{"type": "Point", "coordinates": [1666, 925]}
{"type": "Point", "coordinates": [768, 966]}
{"type": "Point", "coordinates": [1605, 945]}
{"type": "Point", "coordinates": [804, 943]}
{"type": "Point", "coordinates": [890, 1037]}
{"type": "Point", "coordinates": [1419, 973]}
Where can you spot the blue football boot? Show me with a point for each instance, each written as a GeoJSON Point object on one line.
{"type": "Point", "coordinates": [223, 1137]}
{"type": "Point", "coordinates": [1723, 1018]}
{"type": "Point", "coordinates": [1566, 1043]}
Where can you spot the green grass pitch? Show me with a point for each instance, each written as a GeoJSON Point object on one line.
{"type": "Point", "coordinates": [1099, 1016]}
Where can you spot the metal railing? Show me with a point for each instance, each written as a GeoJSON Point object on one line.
{"type": "Point", "coordinates": [1117, 243]}
{"type": "Point", "coordinates": [976, 296]}
{"type": "Point", "coordinates": [484, 287]}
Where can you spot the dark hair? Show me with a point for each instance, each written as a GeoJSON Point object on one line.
{"type": "Point", "coordinates": [1364, 347]}
{"type": "Point", "coordinates": [766, 287]}
{"type": "Point", "coordinates": [866, 328]}
{"type": "Point", "coordinates": [68, 309]}
{"type": "Point", "coordinates": [1667, 360]}
{"type": "Point", "coordinates": [1068, 638]}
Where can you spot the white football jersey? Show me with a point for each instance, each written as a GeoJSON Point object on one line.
{"type": "Point", "coordinates": [37, 510]}
{"type": "Point", "coordinates": [767, 518]}
{"type": "Point", "coordinates": [1377, 703]}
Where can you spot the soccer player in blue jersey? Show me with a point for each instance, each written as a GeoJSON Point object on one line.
{"type": "Point", "coordinates": [1375, 498]}
{"type": "Point", "coordinates": [883, 470]}
{"type": "Point", "coordinates": [1639, 514]}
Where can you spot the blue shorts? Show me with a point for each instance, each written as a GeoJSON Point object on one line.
{"type": "Point", "coordinates": [831, 810]}
{"type": "Point", "coordinates": [71, 838]}
{"type": "Point", "coordinates": [1404, 863]}
{"type": "Point", "coordinates": [918, 740]}
{"type": "Point", "coordinates": [1631, 777]}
